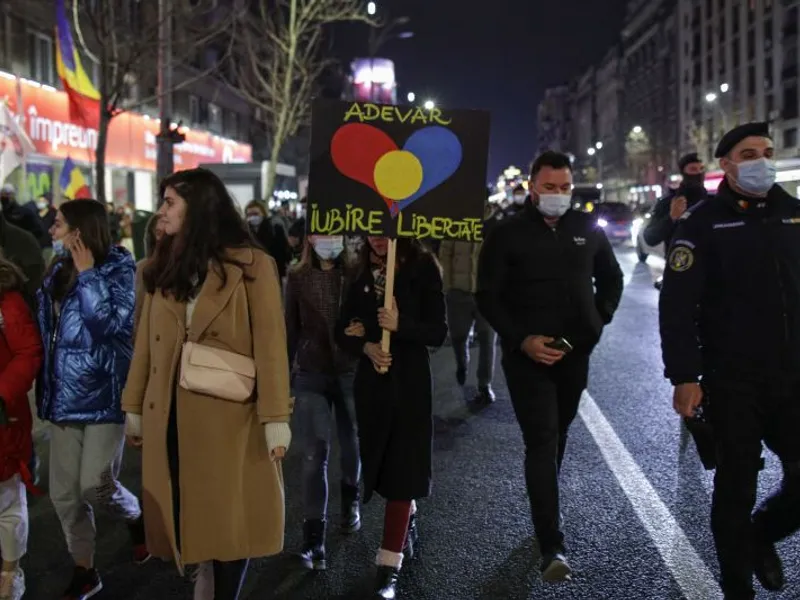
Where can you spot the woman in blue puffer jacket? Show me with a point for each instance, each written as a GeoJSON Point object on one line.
{"type": "Point", "coordinates": [85, 316]}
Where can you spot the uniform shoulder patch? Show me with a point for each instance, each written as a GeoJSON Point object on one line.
{"type": "Point", "coordinates": [681, 258]}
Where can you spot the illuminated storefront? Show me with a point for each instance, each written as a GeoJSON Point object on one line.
{"type": "Point", "coordinates": [130, 152]}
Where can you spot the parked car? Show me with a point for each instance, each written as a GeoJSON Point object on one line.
{"type": "Point", "coordinates": [616, 218]}
{"type": "Point", "coordinates": [643, 249]}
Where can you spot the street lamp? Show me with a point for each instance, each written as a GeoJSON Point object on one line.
{"type": "Point", "coordinates": [411, 96]}
{"type": "Point", "coordinates": [724, 88]}
{"type": "Point", "coordinates": [429, 105]}
{"type": "Point", "coordinates": [371, 8]}
{"type": "Point", "coordinates": [591, 151]}
{"type": "Point", "coordinates": [599, 145]}
{"type": "Point", "coordinates": [637, 129]}
{"type": "Point", "coordinates": [711, 97]}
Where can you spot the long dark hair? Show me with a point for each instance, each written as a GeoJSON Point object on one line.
{"type": "Point", "coordinates": [90, 218]}
{"type": "Point", "coordinates": [12, 279]}
{"type": "Point", "coordinates": [150, 236]}
{"type": "Point", "coordinates": [211, 226]}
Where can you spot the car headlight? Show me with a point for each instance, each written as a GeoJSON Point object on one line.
{"type": "Point", "coordinates": [602, 223]}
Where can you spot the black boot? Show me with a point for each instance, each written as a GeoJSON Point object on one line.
{"type": "Point", "coordinates": [411, 547]}
{"type": "Point", "coordinates": [386, 583]}
{"type": "Point", "coordinates": [351, 508]}
{"type": "Point", "coordinates": [312, 555]}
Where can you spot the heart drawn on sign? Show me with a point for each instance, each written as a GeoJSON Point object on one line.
{"type": "Point", "coordinates": [400, 175]}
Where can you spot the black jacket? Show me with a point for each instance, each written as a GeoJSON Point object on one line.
{"type": "Point", "coordinates": [731, 297]}
{"type": "Point", "coordinates": [24, 218]}
{"type": "Point", "coordinates": [22, 249]}
{"type": "Point", "coordinates": [534, 280]}
{"type": "Point", "coordinates": [395, 411]}
{"type": "Point", "coordinates": [661, 227]}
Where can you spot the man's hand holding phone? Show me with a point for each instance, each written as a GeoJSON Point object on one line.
{"type": "Point", "coordinates": [537, 349]}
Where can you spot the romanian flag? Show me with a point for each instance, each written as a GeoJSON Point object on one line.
{"type": "Point", "coordinates": [84, 99]}
{"type": "Point", "coordinates": [73, 185]}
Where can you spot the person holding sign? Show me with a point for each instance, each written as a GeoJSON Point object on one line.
{"type": "Point", "coordinates": [548, 282]}
{"type": "Point", "coordinates": [393, 389]}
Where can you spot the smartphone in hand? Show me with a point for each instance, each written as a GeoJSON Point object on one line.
{"type": "Point", "coordinates": [560, 344]}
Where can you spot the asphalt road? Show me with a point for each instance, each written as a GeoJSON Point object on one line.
{"type": "Point", "coordinates": [636, 500]}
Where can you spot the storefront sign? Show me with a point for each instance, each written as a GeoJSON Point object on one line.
{"type": "Point", "coordinates": [131, 139]}
{"type": "Point", "coordinates": [397, 171]}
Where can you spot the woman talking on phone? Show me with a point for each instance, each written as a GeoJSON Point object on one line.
{"type": "Point", "coordinates": [393, 393]}
{"type": "Point", "coordinates": [85, 316]}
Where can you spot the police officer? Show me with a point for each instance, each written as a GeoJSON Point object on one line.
{"type": "Point", "coordinates": [671, 207]}
{"type": "Point", "coordinates": [548, 282]}
{"type": "Point", "coordinates": [730, 316]}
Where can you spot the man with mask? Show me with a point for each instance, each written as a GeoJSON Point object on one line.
{"type": "Point", "coordinates": [730, 317]}
{"type": "Point", "coordinates": [548, 282]}
{"type": "Point", "coordinates": [18, 215]}
{"type": "Point", "coordinates": [518, 198]}
{"type": "Point", "coordinates": [671, 207]}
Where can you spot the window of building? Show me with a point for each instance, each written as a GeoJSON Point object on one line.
{"type": "Point", "coordinates": [697, 76]}
{"type": "Point", "coordinates": [194, 110]}
{"type": "Point", "coordinates": [735, 20]}
{"type": "Point", "coordinates": [790, 137]}
{"type": "Point", "coordinates": [41, 58]}
{"type": "Point", "coordinates": [751, 80]}
{"type": "Point", "coordinates": [709, 66]}
{"type": "Point", "coordinates": [709, 8]}
{"type": "Point", "coordinates": [214, 118]}
{"type": "Point", "coordinates": [790, 108]}
{"type": "Point", "coordinates": [768, 72]}
{"type": "Point", "coordinates": [736, 49]}
{"type": "Point", "coordinates": [233, 125]}
{"type": "Point", "coordinates": [767, 30]}
{"type": "Point", "coordinates": [751, 43]}
{"type": "Point", "coordinates": [696, 45]}
{"type": "Point", "coordinates": [722, 29]}
{"type": "Point", "coordinates": [770, 100]}
{"type": "Point", "coordinates": [709, 37]}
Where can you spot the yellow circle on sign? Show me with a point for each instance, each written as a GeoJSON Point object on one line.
{"type": "Point", "coordinates": [398, 174]}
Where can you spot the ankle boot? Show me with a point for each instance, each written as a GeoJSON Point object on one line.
{"type": "Point", "coordinates": [312, 555]}
{"type": "Point", "coordinates": [351, 508]}
{"type": "Point", "coordinates": [386, 583]}
{"type": "Point", "coordinates": [411, 547]}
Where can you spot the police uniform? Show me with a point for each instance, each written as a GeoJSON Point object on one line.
{"type": "Point", "coordinates": [730, 315]}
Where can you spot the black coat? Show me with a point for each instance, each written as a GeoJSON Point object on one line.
{"type": "Point", "coordinates": [562, 282]}
{"type": "Point", "coordinates": [394, 411]}
{"type": "Point", "coordinates": [661, 227]}
{"type": "Point", "coordinates": [731, 297]}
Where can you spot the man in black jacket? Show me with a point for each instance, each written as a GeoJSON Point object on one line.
{"type": "Point", "coordinates": [19, 216]}
{"type": "Point", "coordinates": [730, 316]}
{"type": "Point", "coordinates": [671, 207]}
{"type": "Point", "coordinates": [548, 282]}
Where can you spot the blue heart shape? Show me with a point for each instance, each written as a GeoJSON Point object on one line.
{"type": "Point", "coordinates": [439, 151]}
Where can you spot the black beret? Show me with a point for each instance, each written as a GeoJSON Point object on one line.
{"type": "Point", "coordinates": [737, 134]}
{"type": "Point", "coordinates": [688, 159]}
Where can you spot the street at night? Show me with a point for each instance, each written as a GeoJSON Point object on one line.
{"type": "Point", "coordinates": [636, 499]}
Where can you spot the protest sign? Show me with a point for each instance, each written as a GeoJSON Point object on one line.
{"type": "Point", "coordinates": [397, 171]}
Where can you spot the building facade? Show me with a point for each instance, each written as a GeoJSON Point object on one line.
{"type": "Point", "coordinates": [554, 120]}
{"type": "Point", "coordinates": [217, 123]}
{"type": "Point", "coordinates": [649, 67]}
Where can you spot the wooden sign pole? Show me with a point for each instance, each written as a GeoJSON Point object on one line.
{"type": "Point", "coordinates": [391, 255]}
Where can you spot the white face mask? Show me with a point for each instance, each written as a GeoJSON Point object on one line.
{"type": "Point", "coordinates": [328, 247]}
{"type": "Point", "coordinates": [756, 176]}
{"type": "Point", "coordinates": [554, 205]}
{"type": "Point", "coordinates": [519, 199]}
{"type": "Point", "coordinates": [42, 204]}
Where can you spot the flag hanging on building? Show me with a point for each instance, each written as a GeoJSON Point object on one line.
{"type": "Point", "coordinates": [84, 99]}
{"type": "Point", "coordinates": [72, 182]}
{"type": "Point", "coordinates": [14, 142]}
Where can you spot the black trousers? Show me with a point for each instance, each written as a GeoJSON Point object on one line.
{"type": "Point", "coordinates": [545, 400]}
{"type": "Point", "coordinates": [228, 576]}
{"type": "Point", "coordinates": [745, 414]}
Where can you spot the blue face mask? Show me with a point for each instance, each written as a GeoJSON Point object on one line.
{"type": "Point", "coordinates": [756, 176]}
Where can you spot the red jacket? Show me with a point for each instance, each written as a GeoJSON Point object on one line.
{"type": "Point", "coordinates": [20, 359]}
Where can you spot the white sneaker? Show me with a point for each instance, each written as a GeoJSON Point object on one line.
{"type": "Point", "coordinates": [12, 585]}
{"type": "Point", "coordinates": [203, 582]}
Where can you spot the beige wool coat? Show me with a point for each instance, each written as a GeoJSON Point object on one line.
{"type": "Point", "coordinates": [231, 493]}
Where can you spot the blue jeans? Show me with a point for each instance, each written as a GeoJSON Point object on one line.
{"type": "Point", "coordinates": [319, 400]}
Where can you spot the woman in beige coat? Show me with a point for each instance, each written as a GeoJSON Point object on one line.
{"type": "Point", "coordinates": [212, 481]}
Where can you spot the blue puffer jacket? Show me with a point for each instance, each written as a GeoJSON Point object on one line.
{"type": "Point", "coordinates": [88, 348]}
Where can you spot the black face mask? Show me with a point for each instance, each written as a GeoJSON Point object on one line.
{"type": "Point", "coordinates": [693, 181]}
{"type": "Point", "coordinates": [5, 200]}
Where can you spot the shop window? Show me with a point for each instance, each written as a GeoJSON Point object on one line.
{"type": "Point", "coordinates": [214, 118]}
{"type": "Point", "coordinates": [41, 58]}
{"type": "Point", "coordinates": [790, 108]}
{"type": "Point", "coordinates": [790, 137]}
{"type": "Point", "coordinates": [194, 110]}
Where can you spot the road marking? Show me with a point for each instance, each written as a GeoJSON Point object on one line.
{"type": "Point", "coordinates": [684, 564]}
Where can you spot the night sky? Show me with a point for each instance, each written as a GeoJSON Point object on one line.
{"type": "Point", "coordinates": [500, 55]}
